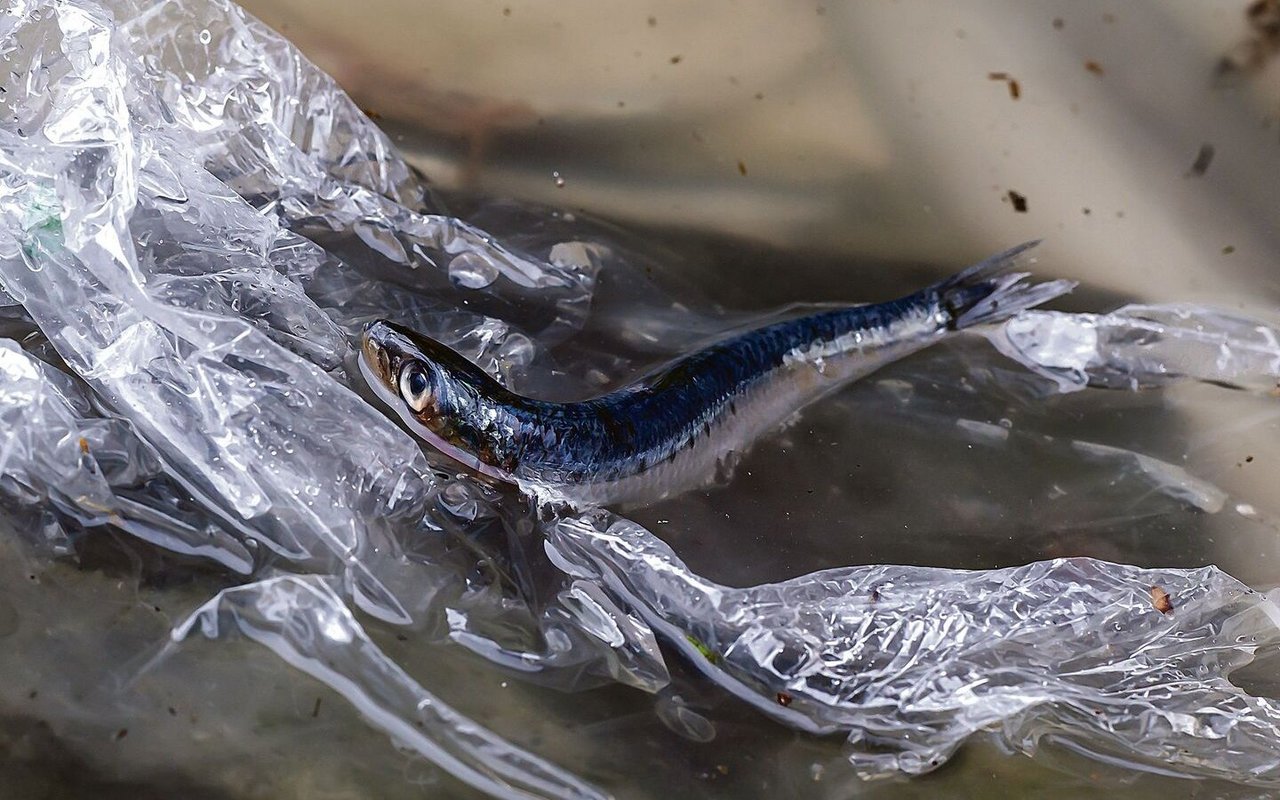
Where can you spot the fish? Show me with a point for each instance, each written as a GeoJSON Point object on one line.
{"type": "Point", "coordinates": [681, 425]}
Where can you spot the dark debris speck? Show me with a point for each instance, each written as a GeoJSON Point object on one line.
{"type": "Point", "coordinates": [1015, 88]}
{"type": "Point", "coordinates": [1203, 159]}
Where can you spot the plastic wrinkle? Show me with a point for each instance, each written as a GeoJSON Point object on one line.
{"type": "Point", "coordinates": [1144, 346]}
{"type": "Point", "coordinates": [279, 132]}
{"type": "Point", "coordinates": [219, 400]}
{"type": "Point", "coordinates": [305, 622]}
{"type": "Point", "coordinates": [95, 471]}
{"type": "Point", "coordinates": [911, 661]}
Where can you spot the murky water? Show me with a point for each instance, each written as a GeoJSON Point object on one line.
{"type": "Point", "coordinates": [858, 157]}
{"type": "Point", "coordinates": [881, 473]}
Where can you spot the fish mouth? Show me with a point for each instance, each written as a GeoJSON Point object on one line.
{"type": "Point", "coordinates": [375, 357]}
{"type": "Point", "coordinates": [376, 367]}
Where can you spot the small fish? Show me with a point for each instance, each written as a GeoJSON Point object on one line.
{"type": "Point", "coordinates": [675, 428]}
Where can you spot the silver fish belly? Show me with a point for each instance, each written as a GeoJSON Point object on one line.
{"type": "Point", "coordinates": [674, 428]}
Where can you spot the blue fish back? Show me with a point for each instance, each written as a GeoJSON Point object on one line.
{"type": "Point", "coordinates": [649, 421]}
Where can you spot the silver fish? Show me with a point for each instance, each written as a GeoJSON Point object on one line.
{"type": "Point", "coordinates": [671, 429]}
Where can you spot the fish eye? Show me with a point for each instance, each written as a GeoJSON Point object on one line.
{"type": "Point", "coordinates": [414, 386]}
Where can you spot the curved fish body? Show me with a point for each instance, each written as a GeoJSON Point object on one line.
{"type": "Point", "coordinates": [676, 427]}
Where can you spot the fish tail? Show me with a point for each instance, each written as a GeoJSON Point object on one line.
{"type": "Point", "coordinates": [988, 292]}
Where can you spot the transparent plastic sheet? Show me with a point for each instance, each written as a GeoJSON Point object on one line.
{"type": "Point", "coordinates": [154, 181]}
{"type": "Point", "coordinates": [94, 470]}
{"type": "Point", "coordinates": [515, 609]}
{"type": "Point", "coordinates": [911, 661]}
{"type": "Point", "coordinates": [280, 133]}
{"type": "Point", "coordinates": [305, 622]}
{"type": "Point", "coordinates": [1144, 346]}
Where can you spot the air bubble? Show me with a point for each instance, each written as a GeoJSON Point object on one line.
{"type": "Point", "coordinates": [684, 721]}
{"type": "Point", "coordinates": [472, 271]}
{"type": "Point", "coordinates": [457, 499]}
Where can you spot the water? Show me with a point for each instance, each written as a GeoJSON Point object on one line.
{"type": "Point", "coordinates": [877, 474]}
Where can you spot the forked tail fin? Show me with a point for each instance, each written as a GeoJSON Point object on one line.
{"type": "Point", "coordinates": [987, 292]}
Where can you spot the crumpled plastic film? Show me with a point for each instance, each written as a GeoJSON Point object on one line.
{"type": "Point", "coordinates": [96, 471]}
{"type": "Point", "coordinates": [261, 115]}
{"type": "Point", "coordinates": [282, 134]}
{"type": "Point", "coordinates": [1143, 346]}
{"type": "Point", "coordinates": [90, 205]}
{"type": "Point", "coordinates": [580, 629]}
{"type": "Point", "coordinates": [1124, 662]}
{"type": "Point", "coordinates": [306, 622]}
{"type": "Point", "coordinates": [517, 610]}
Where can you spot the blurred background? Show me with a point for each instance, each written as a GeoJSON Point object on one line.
{"type": "Point", "coordinates": [1140, 140]}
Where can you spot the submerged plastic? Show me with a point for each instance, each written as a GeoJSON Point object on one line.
{"type": "Point", "coordinates": [198, 222]}
{"type": "Point", "coordinates": [1144, 346]}
{"type": "Point", "coordinates": [307, 624]}
{"type": "Point", "coordinates": [911, 661]}
{"type": "Point", "coordinates": [89, 470]}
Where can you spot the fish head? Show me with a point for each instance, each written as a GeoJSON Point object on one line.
{"type": "Point", "coordinates": [439, 394]}
{"type": "Point", "coordinates": [397, 369]}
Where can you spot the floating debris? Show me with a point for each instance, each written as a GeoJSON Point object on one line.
{"type": "Point", "coordinates": [1160, 599]}
{"type": "Point", "coordinates": [1015, 88]}
{"type": "Point", "coordinates": [1203, 159]}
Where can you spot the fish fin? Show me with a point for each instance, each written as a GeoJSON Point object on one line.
{"type": "Point", "coordinates": [987, 292]}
